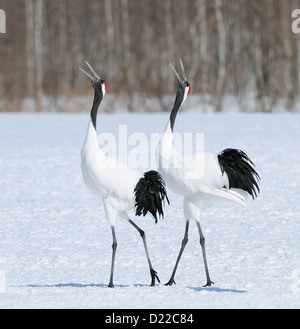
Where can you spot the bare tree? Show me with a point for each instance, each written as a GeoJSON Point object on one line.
{"type": "Point", "coordinates": [169, 53]}
{"type": "Point", "coordinates": [227, 46]}
{"type": "Point", "coordinates": [126, 42]}
{"type": "Point", "coordinates": [110, 36]}
{"type": "Point", "coordinates": [34, 15]}
{"type": "Point", "coordinates": [221, 55]}
{"type": "Point", "coordinates": [30, 46]}
{"type": "Point", "coordinates": [38, 54]}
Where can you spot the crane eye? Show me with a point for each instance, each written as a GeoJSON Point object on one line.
{"type": "Point", "coordinates": [190, 89]}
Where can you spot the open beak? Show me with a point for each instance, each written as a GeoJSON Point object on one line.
{"type": "Point", "coordinates": [183, 72]}
{"type": "Point", "coordinates": [94, 78]}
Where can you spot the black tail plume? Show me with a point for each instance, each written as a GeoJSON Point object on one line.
{"type": "Point", "coordinates": [150, 194]}
{"type": "Point", "coordinates": [238, 167]}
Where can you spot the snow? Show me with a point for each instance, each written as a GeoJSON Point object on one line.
{"type": "Point", "coordinates": [55, 243]}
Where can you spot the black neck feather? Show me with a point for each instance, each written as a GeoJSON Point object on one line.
{"type": "Point", "coordinates": [97, 100]}
{"type": "Point", "coordinates": [177, 104]}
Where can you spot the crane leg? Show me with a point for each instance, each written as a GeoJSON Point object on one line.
{"type": "Point", "coordinates": [184, 242]}
{"type": "Point", "coordinates": [202, 243]}
{"type": "Point", "coordinates": [114, 248]}
{"type": "Point", "coordinates": [152, 272]}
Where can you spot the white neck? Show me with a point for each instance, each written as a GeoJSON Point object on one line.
{"type": "Point", "coordinates": [164, 150]}
{"type": "Point", "coordinates": [91, 136]}
{"type": "Point", "coordinates": [91, 145]}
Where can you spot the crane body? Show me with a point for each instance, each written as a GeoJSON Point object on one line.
{"type": "Point", "coordinates": [120, 187]}
{"type": "Point", "coordinates": [202, 179]}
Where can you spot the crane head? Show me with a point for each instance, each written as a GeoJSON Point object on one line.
{"type": "Point", "coordinates": [182, 84]}
{"type": "Point", "coordinates": [98, 84]}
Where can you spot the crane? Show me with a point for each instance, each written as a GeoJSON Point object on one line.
{"type": "Point", "coordinates": [202, 179]}
{"type": "Point", "coordinates": [120, 187]}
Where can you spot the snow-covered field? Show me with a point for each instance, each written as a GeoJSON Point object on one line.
{"type": "Point", "coordinates": [55, 243]}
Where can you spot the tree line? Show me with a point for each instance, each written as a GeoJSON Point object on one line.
{"type": "Point", "coordinates": [235, 47]}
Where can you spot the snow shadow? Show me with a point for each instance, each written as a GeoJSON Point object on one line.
{"type": "Point", "coordinates": [216, 289]}
{"type": "Point", "coordinates": [72, 285]}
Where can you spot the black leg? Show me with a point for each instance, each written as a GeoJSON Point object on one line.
{"type": "Point", "coordinates": [152, 272]}
{"type": "Point", "coordinates": [184, 242]}
{"type": "Point", "coordinates": [202, 243]}
{"type": "Point", "coordinates": [114, 248]}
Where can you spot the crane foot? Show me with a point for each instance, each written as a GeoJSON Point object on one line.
{"type": "Point", "coordinates": [170, 282]}
{"type": "Point", "coordinates": [154, 277]}
{"type": "Point", "coordinates": [208, 284]}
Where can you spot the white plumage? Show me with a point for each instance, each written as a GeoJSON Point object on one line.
{"type": "Point", "coordinates": [120, 187]}
{"type": "Point", "coordinates": [187, 177]}
{"type": "Point", "coordinates": [108, 178]}
{"type": "Point", "coordinates": [203, 178]}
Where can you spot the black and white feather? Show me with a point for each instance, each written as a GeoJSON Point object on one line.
{"type": "Point", "coordinates": [121, 188]}
{"type": "Point", "coordinates": [239, 170]}
{"type": "Point", "coordinates": [150, 195]}
{"type": "Point", "coordinates": [202, 178]}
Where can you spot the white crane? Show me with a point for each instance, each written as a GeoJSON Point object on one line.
{"type": "Point", "coordinates": [120, 187]}
{"type": "Point", "coordinates": [204, 178]}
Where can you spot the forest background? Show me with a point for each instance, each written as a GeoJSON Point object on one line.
{"type": "Point", "coordinates": [229, 47]}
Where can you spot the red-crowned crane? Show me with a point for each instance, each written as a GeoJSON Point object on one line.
{"type": "Point", "coordinates": [204, 178]}
{"type": "Point", "coordinates": [120, 187]}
